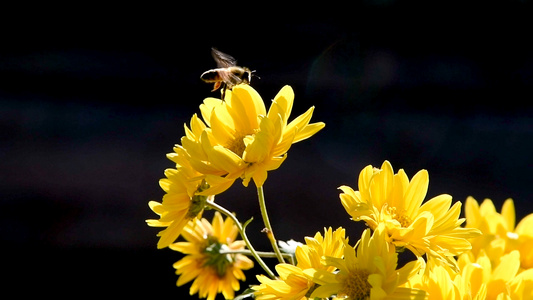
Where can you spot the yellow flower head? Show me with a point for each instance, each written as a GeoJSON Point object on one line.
{"type": "Point", "coordinates": [432, 228]}
{"type": "Point", "coordinates": [500, 279]}
{"type": "Point", "coordinates": [317, 248]}
{"type": "Point", "coordinates": [442, 283]}
{"type": "Point", "coordinates": [439, 283]}
{"type": "Point", "coordinates": [500, 235]}
{"type": "Point", "coordinates": [212, 270]}
{"type": "Point", "coordinates": [367, 272]}
{"type": "Point", "coordinates": [182, 201]}
{"type": "Point", "coordinates": [240, 139]}
{"type": "Point", "coordinates": [292, 282]}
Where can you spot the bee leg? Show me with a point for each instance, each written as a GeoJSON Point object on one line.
{"type": "Point", "coordinates": [216, 86]}
{"type": "Point", "coordinates": [224, 92]}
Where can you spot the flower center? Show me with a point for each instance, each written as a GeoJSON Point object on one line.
{"type": "Point", "coordinates": [214, 259]}
{"type": "Point", "coordinates": [356, 285]}
{"type": "Point", "coordinates": [402, 218]}
{"type": "Point", "coordinates": [236, 145]}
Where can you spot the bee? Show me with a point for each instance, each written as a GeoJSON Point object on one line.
{"type": "Point", "coordinates": [227, 74]}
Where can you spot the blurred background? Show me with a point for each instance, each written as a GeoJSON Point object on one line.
{"type": "Point", "coordinates": [92, 98]}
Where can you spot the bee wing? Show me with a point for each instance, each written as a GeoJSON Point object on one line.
{"type": "Point", "coordinates": [230, 79]}
{"type": "Point", "coordinates": [223, 60]}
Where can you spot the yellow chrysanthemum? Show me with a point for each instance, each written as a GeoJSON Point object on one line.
{"type": "Point", "coordinates": [501, 279]}
{"type": "Point", "coordinates": [292, 282]}
{"type": "Point", "coordinates": [442, 283]}
{"type": "Point", "coordinates": [317, 248]}
{"type": "Point", "coordinates": [500, 235]}
{"type": "Point", "coordinates": [181, 203]}
{"type": "Point", "coordinates": [240, 139]}
{"type": "Point", "coordinates": [213, 272]}
{"type": "Point", "coordinates": [368, 272]}
{"type": "Point", "coordinates": [395, 201]}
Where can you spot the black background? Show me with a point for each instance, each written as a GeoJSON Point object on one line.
{"type": "Point", "coordinates": [93, 97]}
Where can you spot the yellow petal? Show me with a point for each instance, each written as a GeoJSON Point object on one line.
{"type": "Point", "coordinates": [245, 107]}
{"type": "Point", "coordinates": [473, 274]}
{"type": "Point", "coordinates": [197, 126]}
{"type": "Point", "coordinates": [217, 185]}
{"type": "Point", "coordinates": [409, 270]}
{"type": "Point", "coordinates": [351, 201]}
{"type": "Point", "coordinates": [525, 226]}
{"type": "Point", "coordinates": [284, 144]}
{"type": "Point", "coordinates": [408, 293]}
{"type": "Point", "coordinates": [472, 214]}
{"type": "Point", "coordinates": [400, 184]}
{"type": "Point", "coordinates": [522, 284]}
{"type": "Point", "coordinates": [222, 127]}
{"type": "Point", "coordinates": [285, 270]}
{"type": "Point", "coordinates": [282, 104]}
{"type": "Point", "coordinates": [487, 207]}
{"type": "Point", "coordinates": [171, 233]}
{"type": "Point", "coordinates": [508, 267]}
{"type": "Point", "coordinates": [325, 291]}
{"type": "Point", "coordinates": [300, 124]}
{"type": "Point", "coordinates": [207, 108]}
{"type": "Point", "coordinates": [365, 176]}
{"type": "Point", "coordinates": [308, 131]}
{"type": "Point", "coordinates": [454, 245]}
{"type": "Point", "coordinates": [188, 276]}
{"type": "Point", "coordinates": [226, 160]}
{"type": "Point", "coordinates": [508, 213]}
{"type": "Point", "coordinates": [301, 121]}
{"type": "Point", "coordinates": [260, 174]}
{"type": "Point", "coordinates": [438, 206]}
{"type": "Point", "coordinates": [422, 225]}
{"type": "Point", "coordinates": [320, 276]}
{"type": "Point", "coordinates": [416, 192]}
{"type": "Point", "coordinates": [260, 148]}
{"type": "Point", "coordinates": [220, 157]}
{"type": "Point", "coordinates": [381, 185]}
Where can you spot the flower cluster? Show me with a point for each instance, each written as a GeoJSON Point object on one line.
{"type": "Point", "coordinates": [237, 138]}
{"type": "Point", "coordinates": [480, 256]}
{"type": "Point", "coordinates": [496, 267]}
{"type": "Point", "coordinates": [213, 270]}
{"type": "Point", "coordinates": [396, 202]}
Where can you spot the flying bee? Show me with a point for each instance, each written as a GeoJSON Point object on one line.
{"type": "Point", "coordinates": [227, 74]}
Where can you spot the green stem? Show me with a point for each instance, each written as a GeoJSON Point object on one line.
{"type": "Point", "coordinates": [268, 227]}
{"type": "Point", "coordinates": [241, 228]}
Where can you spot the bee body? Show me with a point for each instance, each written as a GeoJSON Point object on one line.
{"type": "Point", "coordinates": [230, 76]}
{"type": "Point", "coordinates": [227, 72]}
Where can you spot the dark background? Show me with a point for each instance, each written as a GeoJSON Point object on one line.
{"type": "Point", "coordinates": [92, 98]}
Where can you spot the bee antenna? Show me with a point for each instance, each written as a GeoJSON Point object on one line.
{"type": "Point", "coordinates": [252, 74]}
